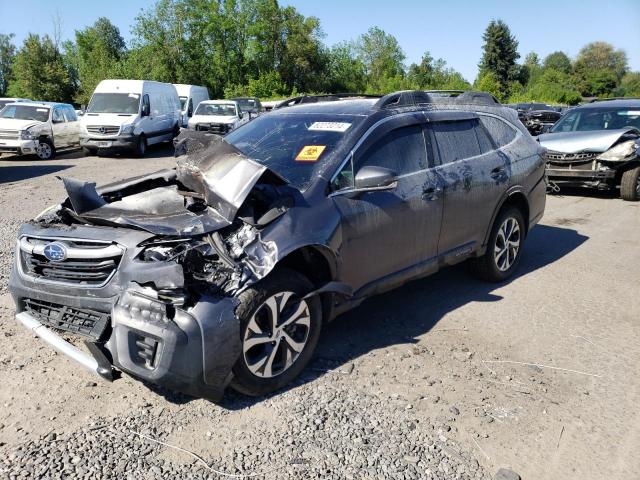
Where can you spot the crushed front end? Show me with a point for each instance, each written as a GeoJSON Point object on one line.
{"type": "Point", "coordinates": [143, 276]}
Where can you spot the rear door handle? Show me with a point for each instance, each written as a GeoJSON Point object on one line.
{"type": "Point", "coordinates": [431, 193]}
{"type": "Point", "coordinates": [497, 172]}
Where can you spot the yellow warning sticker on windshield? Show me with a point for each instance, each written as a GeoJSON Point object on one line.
{"type": "Point", "coordinates": [310, 153]}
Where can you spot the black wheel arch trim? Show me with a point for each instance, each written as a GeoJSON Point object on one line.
{"type": "Point", "coordinates": [516, 189]}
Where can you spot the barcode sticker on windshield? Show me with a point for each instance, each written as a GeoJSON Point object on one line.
{"type": "Point", "coordinates": [310, 153]}
{"type": "Point", "coordinates": [45, 110]}
{"type": "Point", "coordinates": [134, 95]}
{"type": "Point", "coordinates": [329, 126]}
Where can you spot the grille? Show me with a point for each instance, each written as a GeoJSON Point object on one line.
{"type": "Point", "coordinates": [557, 157]}
{"type": "Point", "coordinates": [9, 134]}
{"type": "Point", "coordinates": [103, 129]}
{"type": "Point", "coordinates": [87, 323]}
{"type": "Point", "coordinates": [219, 128]}
{"type": "Point", "coordinates": [88, 264]}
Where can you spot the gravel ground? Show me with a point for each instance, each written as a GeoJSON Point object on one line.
{"type": "Point", "coordinates": [416, 383]}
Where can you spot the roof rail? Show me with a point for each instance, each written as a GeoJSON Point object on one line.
{"type": "Point", "coordinates": [322, 98]}
{"type": "Point", "coordinates": [593, 100]}
{"type": "Point", "coordinates": [421, 97]}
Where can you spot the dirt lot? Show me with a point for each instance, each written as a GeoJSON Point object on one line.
{"type": "Point", "coordinates": [431, 367]}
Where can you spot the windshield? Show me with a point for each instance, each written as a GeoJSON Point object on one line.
{"type": "Point", "coordinates": [23, 112]}
{"type": "Point", "coordinates": [247, 104]}
{"type": "Point", "coordinates": [587, 119]}
{"type": "Point", "coordinates": [127, 103]}
{"type": "Point", "coordinates": [292, 145]}
{"type": "Point", "coordinates": [183, 102]}
{"type": "Point", "coordinates": [224, 109]}
{"type": "Point", "coordinates": [4, 102]}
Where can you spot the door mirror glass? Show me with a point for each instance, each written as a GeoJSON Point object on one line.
{"type": "Point", "coordinates": [372, 177]}
{"type": "Point", "coordinates": [146, 108]}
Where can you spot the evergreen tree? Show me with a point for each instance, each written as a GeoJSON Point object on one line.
{"type": "Point", "coordinates": [500, 52]}
{"type": "Point", "coordinates": [7, 54]}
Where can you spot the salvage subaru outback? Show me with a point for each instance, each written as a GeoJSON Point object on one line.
{"type": "Point", "coordinates": [223, 270]}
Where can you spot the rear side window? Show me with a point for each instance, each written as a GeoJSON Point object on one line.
{"type": "Point", "coordinates": [500, 131]}
{"type": "Point", "coordinates": [70, 114]}
{"type": "Point", "coordinates": [402, 150]}
{"type": "Point", "coordinates": [456, 140]}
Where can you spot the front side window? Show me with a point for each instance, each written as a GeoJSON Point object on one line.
{"type": "Point", "coordinates": [402, 150]}
{"type": "Point", "coordinates": [70, 114]}
{"type": "Point", "coordinates": [57, 117]}
{"type": "Point", "coordinates": [23, 112]}
{"type": "Point", "coordinates": [183, 102]}
{"type": "Point", "coordinates": [123, 103]}
{"type": "Point", "coordinates": [456, 140]}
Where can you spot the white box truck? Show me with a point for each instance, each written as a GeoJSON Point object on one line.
{"type": "Point", "coordinates": [130, 114]}
{"type": "Point", "coordinates": [190, 97]}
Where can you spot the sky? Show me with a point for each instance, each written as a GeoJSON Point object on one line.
{"type": "Point", "coordinates": [448, 29]}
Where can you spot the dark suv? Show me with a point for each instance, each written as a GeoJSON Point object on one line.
{"type": "Point", "coordinates": [224, 269]}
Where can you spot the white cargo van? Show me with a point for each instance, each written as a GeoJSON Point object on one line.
{"type": "Point", "coordinates": [190, 96]}
{"type": "Point", "coordinates": [130, 114]}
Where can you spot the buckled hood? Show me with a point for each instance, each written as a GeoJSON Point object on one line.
{"type": "Point", "coordinates": [595, 141]}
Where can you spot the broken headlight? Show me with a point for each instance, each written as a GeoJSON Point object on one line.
{"type": "Point", "coordinates": [620, 151]}
{"type": "Point", "coordinates": [166, 251]}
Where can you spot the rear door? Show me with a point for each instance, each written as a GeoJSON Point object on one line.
{"type": "Point", "coordinates": [474, 174]}
{"type": "Point", "coordinates": [59, 128]}
{"type": "Point", "coordinates": [385, 232]}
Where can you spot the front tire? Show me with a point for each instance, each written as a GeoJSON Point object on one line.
{"type": "Point", "coordinates": [504, 248]}
{"type": "Point", "coordinates": [279, 331]}
{"type": "Point", "coordinates": [45, 150]}
{"type": "Point", "coordinates": [141, 147]}
{"type": "Point", "coordinates": [630, 185]}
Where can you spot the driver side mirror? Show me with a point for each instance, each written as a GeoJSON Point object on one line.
{"type": "Point", "coordinates": [240, 115]}
{"type": "Point", "coordinates": [375, 178]}
{"type": "Point", "coordinates": [145, 110]}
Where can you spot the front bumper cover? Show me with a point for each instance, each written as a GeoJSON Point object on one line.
{"type": "Point", "coordinates": [18, 147]}
{"type": "Point", "coordinates": [119, 142]}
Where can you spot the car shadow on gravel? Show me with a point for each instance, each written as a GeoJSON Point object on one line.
{"type": "Point", "coordinates": [16, 173]}
{"type": "Point", "coordinates": [404, 314]}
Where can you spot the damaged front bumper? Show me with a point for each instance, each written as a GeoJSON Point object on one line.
{"type": "Point", "coordinates": [146, 330]}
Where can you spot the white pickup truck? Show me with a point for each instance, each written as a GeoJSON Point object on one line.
{"type": "Point", "coordinates": [40, 128]}
{"type": "Point", "coordinates": [217, 116]}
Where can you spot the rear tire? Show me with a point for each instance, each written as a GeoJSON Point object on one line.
{"type": "Point", "coordinates": [630, 185]}
{"type": "Point", "coordinates": [275, 347]}
{"type": "Point", "coordinates": [504, 248]}
{"type": "Point", "coordinates": [141, 147]}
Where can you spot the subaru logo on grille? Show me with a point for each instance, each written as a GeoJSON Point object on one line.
{"type": "Point", "coordinates": [102, 130]}
{"type": "Point", "coordinates": [56, 252]}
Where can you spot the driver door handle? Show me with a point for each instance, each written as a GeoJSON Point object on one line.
{"type": "Point", "coordinates": [430, 194]}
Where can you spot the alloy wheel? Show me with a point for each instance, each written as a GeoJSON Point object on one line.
{"type": "Point", "coordinates": [43, 151]}
{"type": "Point", "coordinates": [276, 335]}
{"type": "Point", "coordinates": [507, 244]}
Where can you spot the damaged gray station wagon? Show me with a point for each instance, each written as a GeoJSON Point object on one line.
{"type": "Point", "coordinates": [223, 270]}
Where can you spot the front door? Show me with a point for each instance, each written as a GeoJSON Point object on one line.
{"type": "Point", "coordinates": [384, 232]}
{"type": "Point", "coordinates": [59, 128]}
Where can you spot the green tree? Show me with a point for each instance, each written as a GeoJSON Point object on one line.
{"type": "Point", "coordinates": [599, 67]}
{"type": "Point", "coordinates": [558, 61]}
{"type": "Point", "coordinates": [98, 50]}
{"type": "Point", "coordinates": [630, 84]}
{"type": "Point", "coordinates": [383, 59]}
{"type": "Point", "coordinates": [552, 86]}
{"type": "Point", "coordinates": [500, 52]}
{"type": "Point", "coordinates": [346, 72]}
{"type": "Point", "coordinates": [489, 82]}
{"type": "Point", "coordinates": [268, 85]}
{"type": "Point", "coordinates": [40, 73]}
{"type": "Point", "coordinates": [433, 74]}
{"type": "Point", "coordinates": [7, 54]}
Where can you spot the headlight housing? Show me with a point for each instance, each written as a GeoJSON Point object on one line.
{"type": "Point", "coordinates": [620, 151]}
{"type": "Point", "coordinates": [128, 129]}
{"type": "Point", "coordinates": [27, 135]}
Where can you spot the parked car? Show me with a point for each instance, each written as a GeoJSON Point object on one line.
{"type": "Point", "coordinates": [597, 145]}
{"type": "Point", "coordinates": [223, 270]}
{"type": "Point", "coordinates": [6, 100]}
{"type": "Point", "coordinates": [43, 128]}
{"type": "Point", "coordinates": [537, 117]}
{"type": "Point", "coordinates": [249, 105]}
{"type": "Point", "coordinates": [130, 115]}
{"type": "Point", "coordinates": [190, 97]}
{"type": "Point", "coordinates": [218, 116]}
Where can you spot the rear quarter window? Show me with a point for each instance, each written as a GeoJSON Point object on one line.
{"type": "Point", "coordinates": [501, 132]}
